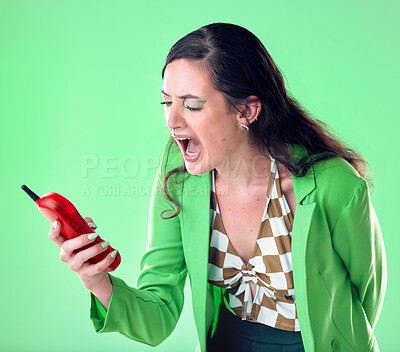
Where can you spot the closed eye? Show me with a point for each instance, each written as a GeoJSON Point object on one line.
{"type": "Point", "coordinates": [192, 109]}
{"type": "Point", "coordinates": [168, 103]}
{"type": "Point", "coordinates": [195, 102]}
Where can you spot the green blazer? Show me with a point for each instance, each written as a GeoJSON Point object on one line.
{"type": "Point", "coordinates": [338, 256]}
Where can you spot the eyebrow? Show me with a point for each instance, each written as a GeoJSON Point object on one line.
{"type": "Point", "coordinates": [186, 96]}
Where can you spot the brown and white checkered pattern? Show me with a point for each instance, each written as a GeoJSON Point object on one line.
{"type": "Point", "coordinates": [270, 268]}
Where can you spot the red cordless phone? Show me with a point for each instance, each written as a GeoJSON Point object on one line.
{"type": "Point", "coordinates": [56, 207]}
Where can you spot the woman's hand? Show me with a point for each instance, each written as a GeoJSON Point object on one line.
{"type": "Point", "coordinates": [92, 276]}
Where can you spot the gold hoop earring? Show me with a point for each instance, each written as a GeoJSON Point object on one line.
{"type": "Point", "coordinates": [242, 127]}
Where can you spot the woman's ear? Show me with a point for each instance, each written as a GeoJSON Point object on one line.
{"type": "Point", "coordinates": [250, 110]}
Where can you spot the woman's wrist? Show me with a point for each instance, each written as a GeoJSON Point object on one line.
{"type": "Point", "coordinates": [103, 290]}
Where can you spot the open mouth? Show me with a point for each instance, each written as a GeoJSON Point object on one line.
{"type": "Point", "coordinates": [184, 143]}
{"type": "Point", "coordinates": [190, 148]}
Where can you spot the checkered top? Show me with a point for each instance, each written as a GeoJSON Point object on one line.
{"type": "Point", "coordinates": [270, 268]}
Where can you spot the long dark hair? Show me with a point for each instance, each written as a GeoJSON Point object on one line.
{"type": "Point", "coordinates": [239, 66]}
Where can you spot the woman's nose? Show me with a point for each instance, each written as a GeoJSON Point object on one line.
{"type": "Point", "coordinates": [173, 117]}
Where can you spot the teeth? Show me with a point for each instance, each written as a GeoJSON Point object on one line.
{"type": "Point", "coordinates": [187, 145]}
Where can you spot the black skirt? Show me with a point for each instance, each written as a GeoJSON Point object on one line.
{"type": "Point", "coordinates": [235, 335]}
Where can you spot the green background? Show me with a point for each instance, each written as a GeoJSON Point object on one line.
{"type": "Point", "coordinates": [80, 85]}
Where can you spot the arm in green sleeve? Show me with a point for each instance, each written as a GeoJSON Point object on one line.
{"type": "Point", "coordinates": [150, 312]}
{"type": "Point", "coordinates": [357, 238]}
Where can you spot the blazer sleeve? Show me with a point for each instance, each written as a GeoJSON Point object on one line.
{"type": "Point", "coordinates": [149, 312]}
{"type": "Point", "coordinates": [357, 238]}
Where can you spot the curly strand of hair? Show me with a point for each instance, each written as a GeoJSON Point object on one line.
{"type": "Point", "coordinates": [180, 169]}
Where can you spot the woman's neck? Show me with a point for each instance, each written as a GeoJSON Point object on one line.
{"type": "Point", "coordinates": [246, 170]}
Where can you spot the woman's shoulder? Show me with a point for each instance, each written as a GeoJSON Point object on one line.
{"type": "Point", "coordinates": [337, 165]}
{"type": "Point", "coordinates": [337, 171]}
{"type": "Point", "coordinates": [335, 179]}
{"type": "Point", "coordinates": [335, 168]}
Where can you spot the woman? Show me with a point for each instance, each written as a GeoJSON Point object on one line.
{"type": "Point", "coordinates": [271, 216]}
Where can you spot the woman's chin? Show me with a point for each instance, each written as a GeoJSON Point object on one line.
{"type": "Point", "coordinates": [196, 168]}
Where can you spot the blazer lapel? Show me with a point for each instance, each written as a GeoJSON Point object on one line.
{"type": "Point", "coordinates": [195, 237]}
{"type": "Point", "coordinates": [301, 226]}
